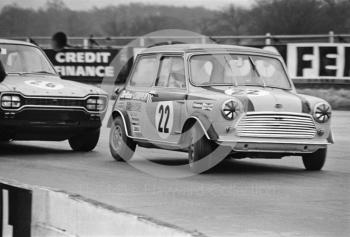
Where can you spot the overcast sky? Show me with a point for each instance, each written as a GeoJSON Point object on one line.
{"type": "Point", "coordinates": [87, 4]}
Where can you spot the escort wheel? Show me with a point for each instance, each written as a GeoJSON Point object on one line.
{"type": "Point", "coordinates": [86, 141]}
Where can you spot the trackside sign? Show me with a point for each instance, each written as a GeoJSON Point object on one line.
{"type": "Point", "coordinates": [319, 61]}
{"type": "Point", "coordinates": [84, 65]}
{"type": "Point", "coordinates": [15, 211]}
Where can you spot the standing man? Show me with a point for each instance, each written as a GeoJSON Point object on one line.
{"type": "Point", "coordinates": [59, 41]}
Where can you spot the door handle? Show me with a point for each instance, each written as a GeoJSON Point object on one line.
{"type": "Point", "coordinates": [153, 94]}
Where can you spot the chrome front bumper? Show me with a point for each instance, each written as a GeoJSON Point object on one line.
{"type": "Point", "coordinates": [292, 146]}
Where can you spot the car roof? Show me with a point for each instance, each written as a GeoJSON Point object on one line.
{"type": "Point", "coordinates": [195, 48]}
{"type": "Point", "coordinates": [6, 41]}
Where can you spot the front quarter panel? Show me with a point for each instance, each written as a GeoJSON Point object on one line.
{"type": "Point", "coordinates": [208, 111]}
{"type": "Point", "coordinates": [325, 127]}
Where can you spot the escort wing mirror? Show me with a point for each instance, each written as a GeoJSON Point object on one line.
{"type": "Point", "coordinates": [117, 90]}
{"type": "Point", "coordinates": [153, 94]}
{"type": "Point", "coordinates": [2, 72]}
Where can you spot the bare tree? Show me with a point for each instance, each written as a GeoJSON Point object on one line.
{"type": "Point", "coordinates": [287, 17]}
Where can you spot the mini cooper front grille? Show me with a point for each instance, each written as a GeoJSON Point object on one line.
{"type": "Point", "coordinates": [54, 102]}
{"type": "Point", "coordinates": [276, 125]}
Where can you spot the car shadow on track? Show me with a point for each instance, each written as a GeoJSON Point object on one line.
{"type": "Point", "coordinates": [240, 166]}
{"type": "Point", "coordinates": [231, 166]}
{"type": "Point", "coordinates": [170, 162]}
{"type": "Point", "coordinates": [19, 149]}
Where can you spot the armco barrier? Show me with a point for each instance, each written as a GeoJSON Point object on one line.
{"type": "Point", "coordinates": [34, 211]}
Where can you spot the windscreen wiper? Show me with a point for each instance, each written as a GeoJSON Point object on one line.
{"type": "Point", "coordinates": [39, 72]}
{"type": "Point", "coordinates": [276, 87]}
{"type": "Point", "coordinates": [26, 73]}
{"type": "Point", "coordinates": [254, 67]}
{"type": "Point", "coordinates": [228, 64]}
{"type": "Point", "coordinates": [257, 71]}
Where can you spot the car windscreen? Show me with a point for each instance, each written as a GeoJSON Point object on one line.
{"type": "Point", "coordinates": [237, 70]}
{"type": "Point", "coordinates": [24, 59]}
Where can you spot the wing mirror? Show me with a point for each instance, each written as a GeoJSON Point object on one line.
{"type": "Point", "coordinates": [153, 94]}
{"type": "Point", "coordinates": [2, 72]}
{"type": "Point", "coordinates": [117, 90]}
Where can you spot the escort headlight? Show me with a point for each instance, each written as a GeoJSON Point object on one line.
{"type": "Point", "coordinates": [11, 101]}
{"type": "Point", "coordinates": [231, 109]}
{"type": "Point", "coordinates": [96, 103]}
{"type": "Point", "coordinates": [322, 112]}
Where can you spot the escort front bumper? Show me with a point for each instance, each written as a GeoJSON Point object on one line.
{"type": "Point", "coordinates": [47, 124]}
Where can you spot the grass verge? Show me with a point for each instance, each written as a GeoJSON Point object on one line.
{"type": "Point", "coordinates": [338, 98]}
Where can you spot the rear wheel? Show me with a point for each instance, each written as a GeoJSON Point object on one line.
{"type": "Point", "coordinates": [86, 141]}
{"type": "Point", "coordinates": [200, 155]}
{"type": "Point", "coordinates": [121, 147]}
{"type": "Point", "coordinates": [315, 161]}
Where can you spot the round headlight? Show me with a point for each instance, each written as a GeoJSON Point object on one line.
{"type": "Point", "coordinates": [322, 112]}
{"type": "Point", "coordinates": [231, 109]}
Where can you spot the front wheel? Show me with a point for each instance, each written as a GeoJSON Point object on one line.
{"type": "Point", "coordinates": [200, 154]}
{"type": "Point", "coordinates": [86, 141]}
{"type": "Point", "coordinates": [121, 147]}
{"type": "Point", "coordinates": [315, 161]}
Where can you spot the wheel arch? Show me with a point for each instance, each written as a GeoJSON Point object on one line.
{"type": "Point", "coordinates": [124, 116]}
{"type": "Point", "coordinates": [330, 138]}
{"type": "Point", "coordinates": [204, 123]}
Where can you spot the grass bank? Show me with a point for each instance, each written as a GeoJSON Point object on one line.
{"type": "Point", "coordinates": [338, 98]}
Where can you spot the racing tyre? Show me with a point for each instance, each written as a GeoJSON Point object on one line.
{"type": "Point", "coordinates": [316, 160]}
{"type": "Point", "coordinates": [86, 141]}
{"type": "Point", "coordinates": [200, 151]}
{"type": "Point", "coordinates": [121, 147]}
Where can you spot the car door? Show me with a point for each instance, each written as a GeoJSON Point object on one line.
{"type": "Point", "coordinates": [136, 95]}
{"type": "Point", "coordinates": [166, 107]}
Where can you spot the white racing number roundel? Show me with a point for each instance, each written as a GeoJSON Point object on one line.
{"type": "Point", "coordinates": [44, 84]}
{"type": "Point", "coordinates": [164, 119]}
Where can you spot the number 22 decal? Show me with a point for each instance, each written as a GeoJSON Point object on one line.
{"type": "Point", "coordinates": [164, 119]}
{"type": "Point", "coordinates": [164, 114]}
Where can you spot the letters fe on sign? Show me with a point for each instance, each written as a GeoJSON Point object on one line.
{"type": "Point", "coordinates": [318, 61]}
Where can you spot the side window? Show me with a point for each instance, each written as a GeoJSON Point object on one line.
{"type": "Point", "coordinates": [145, 72]}
{"type": "Point", "coordinates": [172, 72]}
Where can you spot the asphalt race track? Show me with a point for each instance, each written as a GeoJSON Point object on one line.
{"type": "Point", "coordinates": [239, 198]}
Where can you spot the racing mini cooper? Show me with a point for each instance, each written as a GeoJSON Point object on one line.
{"type": "Point", "coordinates": [214, 102]}
{"type": "Point", "coordinates": [36, 104]}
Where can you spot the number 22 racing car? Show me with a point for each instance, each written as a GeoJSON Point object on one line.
{"type": "Point", "coordinates": [36, 104]}
{"type": "Point", "coordinates": [199, 98]}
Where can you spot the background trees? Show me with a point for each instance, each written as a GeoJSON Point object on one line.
{"type": "Point", "coordinates": [274, 16]}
